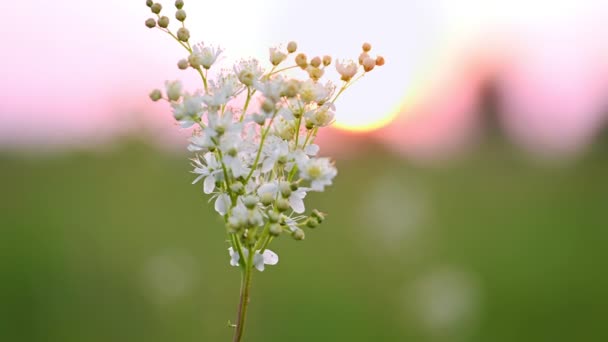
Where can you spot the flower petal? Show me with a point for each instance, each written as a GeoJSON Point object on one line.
{"type": "Point", "coordinates": [268, 164]}
{"type": "Point", "coordinates": [296, 203]}
{"type": "Point", "coordinates": [312, 149]}
{"type": "Point", "coordinates": [258, 262]}
{"type": "Point", "coordinates": [209, 184]}
{"type": "Point", "coordinates": [222, 203]}
{"type": "Point", "coordinates": [268, 187]}
{"type": "Point", "coordinates": [234, 257]}
{"type": "Point", "coordinates": [270, 257]}
{"type": "Point", "coordinates": [197, 179]}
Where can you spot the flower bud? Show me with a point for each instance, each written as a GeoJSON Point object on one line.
{"type": "Point", "coordinates": [362, 57]}
{"type": "Point", "coordinates": [156, 8]}
{"type": "Point", "coordinates": [268, 106]}
{"type": "Point", "coordinates": [315, 73]}
{"type": "Point", "coordinates": [267, 198]}
{"type": "Point", "coordinates": [282, 204]}
{"type": "Point", "coordinates": [149, 3]}
{"type": "Point", "coordinates": [246, 77]}
{"type": "Point", "coordinates": [301, 61]}
{"type": "Point", "coordinates": [312, 222]}
{"type": "Point", "coordinates": [366, 47]}
{"type": "Point", "coordinates": [163, 22]}
{"type": "Point", "coordinates": [273, 217]}
{"type": "Point", "coordinates": [180, 15]}
{"type": "Point", "coordinates": [326, 60]}
{"type": "Point", "coordinates": [379, 61]}
{"type": "Point", "coordinates": [318, 215]}
{"type": "Point", "coordinates": [150, 23]}
{"type": "Point", "coordinates": [255, 220]}
{"type": "Point", "coordinates": [155, 95]}
{"type": "Point", "coordinates": [285, 189]}
{"type": "Point", "coordinates": [259, 119]}
{"type": "Point", "coordinates": [179, 4]}
{"type": "Point", "coordinates": [275, 229]}
{"type": "Point", "coordinates": [194, 61]}
{"type": "Point", "coordinates": [369, 64]}
{"type": "Point", "coordinates": [316, 62]}
{"type": "Point", "coordinates": [234, 225]}
{"type": "Point", "coordinates": [238, 188]}
{"type": "Point", "coordinates": [174, 90]}
{"type": "Point", "coordinates": [292, 47]}
{"type": "Point", "coordinates": [309, 124]}
{"type": "Point", "coordinates": [293, 186]}
{"type": "Point", "coordinates": [292, 88]}
{"type": "Point", "coordinates": [250, 201]}
{"type": "Point", "coordinates": [183, 64]}
{"type": "Point", "coordinates": [298, 234]}
{"type": "Point", "coordinates": [183, 34]}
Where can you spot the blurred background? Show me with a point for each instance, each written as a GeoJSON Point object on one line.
{"type": "Point", "coordinates": [470, 204]}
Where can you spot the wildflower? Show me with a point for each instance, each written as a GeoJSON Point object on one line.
{"type": "Point", "coordinates": [276, 56]}
{"type": "Point", "coordinates": [347, 69]}
{"type": "Point", "coordinates": [320, 172]}
{"type": "Point", "coordinates": [207, 171]}
{"type": "Point", "coordinates": [321, 116]}
{"type": "Point", "coordinates": [204, 56]}
{"type": "Point", "coordinates": [267, 257]}
{"type": "Point", "coordinates": [248, 72]}
{"type": "Point", "coordinates": [188, 112]}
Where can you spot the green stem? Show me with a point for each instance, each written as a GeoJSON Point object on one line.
{"type": "Point", "coordinates": [244, 301]}
{"type": "Point", "coordinates": [249, 93]}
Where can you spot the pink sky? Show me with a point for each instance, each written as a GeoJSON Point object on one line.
{"type": "Point", "coordinates": [79, 72]}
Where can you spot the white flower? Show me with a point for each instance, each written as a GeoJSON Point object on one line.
{"type": "Point", "coordinates": [321, 116]}
{"type": "Point", "coordinates": [222, 203]}
{"type": "Point", "coordinates": [272, 88]}
{"type": "Point", "coordinates": [278, 151]}
{"type": "Point", "coordinates": [248, 72]}
{"type": "Point", "coordinates": [276, 56]}
{"type": "Point", "coordinates": [200, 142]}
{"type": "Point", "coordinates": [283, 128]}
{"type": "Point", "coordinates": [205, 55]}
{"type": "Point", "coordinates": [208, 171]}
{"type": "Point", "coordinates": [174, 90]}
{"type": "Point", "coordinates": [267, 257]}
{"type": "Point", "coordinates": [220, 92]}
{"type": "Point", "coordinates": [188, 111]}
{"type": "Point", "coordinates": [311, 91]}
{"type": "Point", "coordinates": [319, 171]}
{"type": "Point", "coordinates": [347, 69]}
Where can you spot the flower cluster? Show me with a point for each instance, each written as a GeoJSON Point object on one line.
{"type": "Point", "coordinates": [254, 136]}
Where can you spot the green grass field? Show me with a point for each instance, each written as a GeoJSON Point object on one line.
{"type": "Point", "coordinates": [118, 246]}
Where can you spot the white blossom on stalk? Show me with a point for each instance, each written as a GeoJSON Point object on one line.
{"type": "Point", "coordinates": [207, 171]}
{"type": "Point", "coordinates": [321, 116]}
{"type": "Point", "coordinates": [267, 257]}
{"type": "Point", "coordinates": [320, 172]}
{"type": "Point", "coordinates": [347, 69]}
{"type": "Point", "coordinates": [254, 137]}
{"type": "Point", "coordinates": [205, 56]}
{"type": "Point", "coordinates": [248, 72]}
{"type": "Point", "coordinates": [189, 111]}
{"type": "Point", "coordinates": [276, 56]}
